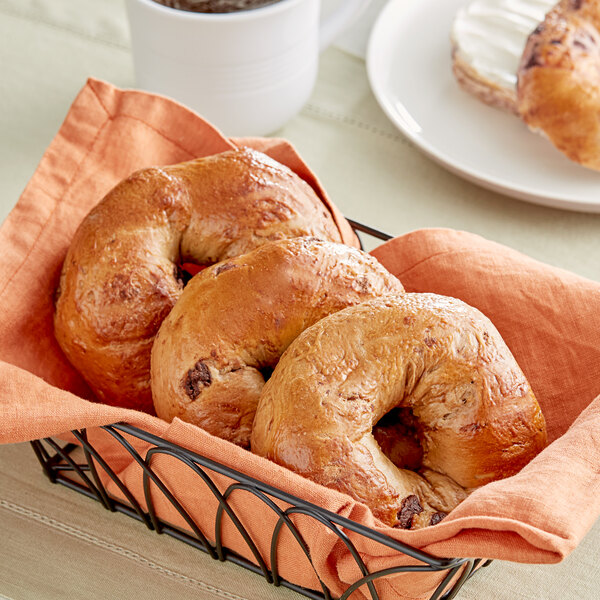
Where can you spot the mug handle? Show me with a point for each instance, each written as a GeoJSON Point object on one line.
{"type": "Point", "coordinates": [338, 20]}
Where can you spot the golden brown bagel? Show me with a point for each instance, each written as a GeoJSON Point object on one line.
{"type": "Point", "coordinates": [558, 89]}
{"type": "Point", "coordinates": [235, 318]}
{"type": "Point", "coordinates": [435, 357]}
{"type": "Point", "coordinates": [120, 277]}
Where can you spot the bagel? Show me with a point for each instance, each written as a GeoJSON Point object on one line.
{"type": "Point", "coordinates": [558, 89]}
{"type": "Point", "coordinates": [121, 274]}
{"type": "Point", "coordinates": [432, 357]}
{"type": "Point", "coordinates": [235, 319]}
{"type": "Point", "coordinates": [487, 39]}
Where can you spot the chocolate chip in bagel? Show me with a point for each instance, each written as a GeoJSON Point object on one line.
{"type": "Point", "coordinates": [437, 517]}
{"type": "Point", "coordinates": [197, 378]}
{"type": "Point", "coordinates": [410, 507]}
{"type": "Point", "coordinates": [224, 267]}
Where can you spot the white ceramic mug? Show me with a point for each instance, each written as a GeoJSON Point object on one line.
{"type": "Point", "coordinates": [246, 72]}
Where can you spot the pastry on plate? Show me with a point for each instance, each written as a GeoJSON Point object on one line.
{"type": "Point", "coordinates": [488, 38]}
{"type": "Point", "coordinates": [540, 60]}
{"type": "Point", "coordinates": [558, 91]}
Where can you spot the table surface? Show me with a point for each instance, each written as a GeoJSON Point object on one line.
{"type": "Point", "coordinates": [58, 544]}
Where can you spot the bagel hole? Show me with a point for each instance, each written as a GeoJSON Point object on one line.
{"type": "Point", "coordinates": [266, 371]}
{"type": "Point", "coordinates": [185, 271]}
{"type": "Point", "coordinates": [398, 437]}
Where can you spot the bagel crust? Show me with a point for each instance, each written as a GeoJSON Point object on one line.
{"type": "Point", "coordinates": [121, 275]}
{"type": "Point", "coordinates": [235, 319]}
{"type": "Point", "coordinates": [558, 89]}
{"type": "Point", "coordinates": [431, 357]}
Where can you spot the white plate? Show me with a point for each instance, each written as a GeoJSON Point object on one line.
{"type": "Point", "coordinates": [409, 66]}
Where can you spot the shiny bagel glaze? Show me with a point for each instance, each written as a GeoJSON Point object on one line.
{"type": "Point", "coordinates": [121, 275]}
{"type": "Point", "coordinates": [438, 359]}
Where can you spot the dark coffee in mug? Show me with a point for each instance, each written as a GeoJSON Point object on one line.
{"type": "Point", "coordinates": [216, 6]}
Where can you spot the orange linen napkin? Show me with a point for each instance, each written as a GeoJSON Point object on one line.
{"type": "Point", "coordinates": [550, 319]}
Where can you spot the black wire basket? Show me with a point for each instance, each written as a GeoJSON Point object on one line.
{"type": "Point", "coordinates": [77, 466]}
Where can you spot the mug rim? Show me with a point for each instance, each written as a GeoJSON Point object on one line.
{"type": "Point", "coordinates": [239, 15]}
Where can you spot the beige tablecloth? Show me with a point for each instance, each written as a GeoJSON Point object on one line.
{"type": "Point", "coordinates": [57, 544]}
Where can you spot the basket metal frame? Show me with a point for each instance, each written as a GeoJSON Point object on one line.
{"type": "Point", "coordinates": [81, 475]}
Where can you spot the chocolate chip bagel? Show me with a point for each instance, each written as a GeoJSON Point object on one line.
{"type": "Point", "coordinates": [435, 363]}
{"type": "Point", "coordinates": [235, 319]}
{"type": "Point", "coordinates": [121, 275]}
{"type": "Point", "coordinates": [558, 90]}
